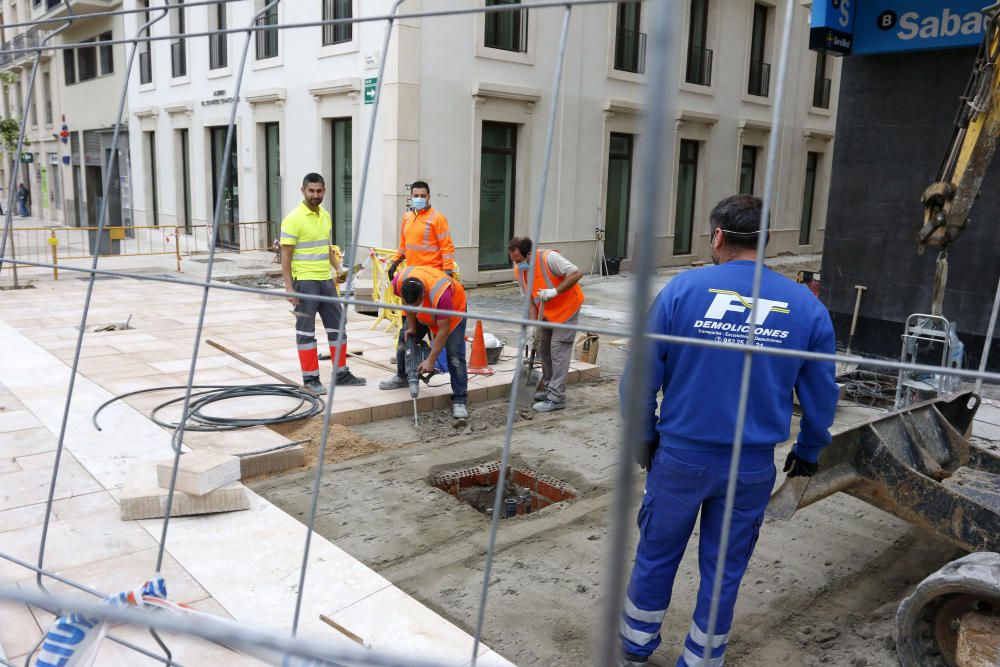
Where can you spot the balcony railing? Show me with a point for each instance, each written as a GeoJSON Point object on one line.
{"type": "Point", "coordinates": [178, 59]}
{"type": "Point", "coordinates": [218, 53]}
{"type": "Point", "coordinates": [30, 39]}
{"type": "Point", "coordinates": [821, 93]}
{"type": "Point", "coordinates": [699, 66]}
{"type": "Point", "coordinates": [145, 67]}
{"type": "Point", "coordinates": [760, 78]}
{"type": "Point", "coordinates": [630, 51]}
{"type": "Point", "coordinates": [267, 40]}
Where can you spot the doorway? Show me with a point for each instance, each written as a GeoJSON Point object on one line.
{"type": "Point", "coordinates": [272, 169]}
{"type": "Point", "coordinates": [496, 194]}
{"type": "Point", "coordinates": [228, 234]}
{"type": "Point", "coordinates": [619, 194]}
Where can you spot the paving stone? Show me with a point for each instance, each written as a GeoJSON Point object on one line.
{"type": "Point", "coordinates": [199, 472]}
{"type": "Point", "coordinates": [142, 498]}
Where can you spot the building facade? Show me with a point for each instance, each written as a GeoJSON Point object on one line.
{"type": "Point", "coordinates": [72, 111]}
{"type": "Point", "coordinates": [464, 105]}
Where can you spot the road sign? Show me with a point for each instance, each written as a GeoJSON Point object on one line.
{"type": "Point", "coordinates": [370, 85]}
{"type": "Point", "coordinates": [27, 158]}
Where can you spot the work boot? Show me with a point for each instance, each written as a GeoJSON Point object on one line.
{"type": "Point", "coordinates": [314, 385]}
{"type": "Point", "coordinates": [395, 382]}
{"type": "Point", "coordinates": [629, 660]}
{"type": "Point", "coordinates": [541, 395]}
{"type": "Point", "coordinates": [346, 378]}
{"type": "Point", "coordinates": [547, 406]}
{"type": "Point", "coordinates": [459, 411]}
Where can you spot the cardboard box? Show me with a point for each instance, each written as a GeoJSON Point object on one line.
{"type": "Point", "coordinates": [586, 346]}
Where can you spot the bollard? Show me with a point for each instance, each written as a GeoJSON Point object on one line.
{"type": "Point", "coordinates": [54, 242]}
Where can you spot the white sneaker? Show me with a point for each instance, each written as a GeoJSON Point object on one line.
{"type": "Point", "coordinates": [459, 411]}
{"type": "Point", "coordinates": [547, 406]}
{"type": "Point", "coordinates": [395, 382]}
{"type": "Point", "coordinates": [541, 395]}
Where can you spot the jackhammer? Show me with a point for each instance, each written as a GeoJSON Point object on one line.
{"type": "Point", "coordinates": [415, 351]}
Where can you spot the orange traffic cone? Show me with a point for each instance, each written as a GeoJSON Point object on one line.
{"type": "Point", "coordinates": [477, 363]}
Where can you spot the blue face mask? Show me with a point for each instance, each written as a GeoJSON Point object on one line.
{"type": "Point", "coordinates": [419, 203]}
{"type": "Point", "coordinates": [523, 266]}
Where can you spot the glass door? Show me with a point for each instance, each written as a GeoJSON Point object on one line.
{"type": "Point", "coordinates": [228, 236]}
{"type": "Point", "coordinates": [496, 194]}
{"type": "Point", "coordinates": [619, 193]}
{"type": "Point", "coordinates": [342, 182]}
{"type": "Point", "coordinates": [272, 158]}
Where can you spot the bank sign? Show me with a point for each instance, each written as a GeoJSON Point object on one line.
{"type": "Point", "coordinates": [861, 27]}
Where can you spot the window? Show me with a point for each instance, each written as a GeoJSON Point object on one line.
{"type": "Point", "coordinates": [619, 194]}
{"type": "Point", "coordinates": [178, 50]}
{"type": "Point", "coordinates": [748, 170]}
{"type": "Point", "coordinates": [687, 176]}
{"type": "Point", "coordinates": [630, 44]}
{"type": "Point", "coordinates": [69, 66]}
{"type": "Point", "coordinates": [218, 56]}
{"type": "Point", "coordinates": [107, 54]}
{"type": "Point", "coordinates": [507, 30]}
{"type": "Point", "coordinates": [496, 194]}
{"type": "Point", "coordinates": [145, 51]}
{"type": "Point", "coordinates": [47, 90]}
{"type": "Point", "coordinates": [272, 176]}
{"type": "Point", "coordinates": [808, 197]}
{"type": "Point", "coordinates": [760, 71]}
{"type": "Point", "coordinates": [699, 58]}
{"type": "Point", "coordinates": [86, 62]}
{"type": "Point", "coordinates": [340, 32]}
{"type": "Point", "coordinates": [267, 40]}
{"type": "Point", "coordinates": [33, 111]}
{"type": "Point", "coordinates": [821, 84]}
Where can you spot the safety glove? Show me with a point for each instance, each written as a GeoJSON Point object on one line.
{"type": "Point", "coordinates": [392, 269]}
{"type": "Point", "coordinates": [547, 294]}
{"type": "Point", "coordinates": [644, 452]}
{"type": "Point", "coordinates": [799, 467]}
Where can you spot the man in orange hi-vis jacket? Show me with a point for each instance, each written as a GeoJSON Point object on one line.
{"type": "Point", "coordinates": [555, 297]}
{"type": "Point", "coordinates": [424, 239]}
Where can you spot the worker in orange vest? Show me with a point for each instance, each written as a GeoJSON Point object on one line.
{"type": "Point", "coordinates": [555, 295]}
{"type": "Point", "coordinates": [424, 238]}
{"type": "Point", "coordinates": [431, 288]}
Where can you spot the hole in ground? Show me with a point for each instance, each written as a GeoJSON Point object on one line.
{"type": "Point", "coordinates": [525, 491]}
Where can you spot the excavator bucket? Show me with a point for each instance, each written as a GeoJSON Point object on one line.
{"type": "Point", "coordinates": [917, 464]}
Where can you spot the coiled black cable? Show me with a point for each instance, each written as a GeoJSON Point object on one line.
{"type": "Point", "coordinates": [309, 405]}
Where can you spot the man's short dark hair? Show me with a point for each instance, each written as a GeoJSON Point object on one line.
{"type": "Point", "coordinates": [520, 243]}
{"type": "Point", "coordinates": [411, 291]}
{"type": "Point", "coordinates": [312, 177]}
{"type": "Point", "coordinates": [420, 184]}
{"type": "Point", "coordinates": [739, 218]}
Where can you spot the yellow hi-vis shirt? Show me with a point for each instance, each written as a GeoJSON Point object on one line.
{"type": "Point", "coordinates": [310, 234]}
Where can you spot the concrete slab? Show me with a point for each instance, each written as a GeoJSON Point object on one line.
{"type": "Point", "coordinates": [199, 472]}
{"type": "Point", "coordinates": [142, 497]}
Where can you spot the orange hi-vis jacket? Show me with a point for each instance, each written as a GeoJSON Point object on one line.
{"type": "Point", "coordinates": [565, 305]}
{"type": "Point", "coordinates": [435, 283]}
{"type": "Point", "coordinates": [424, 240]}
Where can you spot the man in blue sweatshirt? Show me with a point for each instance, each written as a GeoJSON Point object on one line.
{"type": "Point", "coordinates": [688, 447]}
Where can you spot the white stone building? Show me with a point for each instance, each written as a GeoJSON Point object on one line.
{"type": "Point", "coordinates": [77, 88]}
{"type": "Point", "coordinates": [465, 103]}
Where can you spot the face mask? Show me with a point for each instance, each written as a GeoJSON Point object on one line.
{"type": "Point", "coordinates": [523, 266]}
{"type": "Point", "coordinates": [419, 203]}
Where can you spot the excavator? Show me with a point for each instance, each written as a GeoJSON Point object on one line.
{"type": "Point", "coordinates": [917, 461]}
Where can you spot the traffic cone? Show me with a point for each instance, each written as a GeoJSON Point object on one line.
{"type": "Point", "coordinates": [477, 363]}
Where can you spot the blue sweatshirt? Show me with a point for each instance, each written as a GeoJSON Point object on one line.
{"type": "Point", "coordinates": [701, 386]}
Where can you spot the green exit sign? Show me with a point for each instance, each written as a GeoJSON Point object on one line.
{"type": "Point", "coordinates": [27, 158]}
{"type": "Point", "coordinates": [370, 85]}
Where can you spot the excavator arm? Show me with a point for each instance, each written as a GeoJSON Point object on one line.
{"type": "Point", "coordinates": [948, 200]}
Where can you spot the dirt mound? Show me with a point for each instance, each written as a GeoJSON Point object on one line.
{"type": "Point", "coordinates": [342, 443]}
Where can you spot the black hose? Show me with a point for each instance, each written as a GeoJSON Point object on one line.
{"type": "Point", "coordinates": [309, 405]}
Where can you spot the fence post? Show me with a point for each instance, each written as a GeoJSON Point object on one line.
{"type": "Point", "coordinates": [177, 247]}
{"type": "Point", "coordinates": [54, 242]}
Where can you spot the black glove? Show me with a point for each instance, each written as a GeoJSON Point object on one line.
{"type": "Point", "coordinates": [644, 452]}
{"type": "Point", "coordinates": [799, 467]}
{"type": "Point", "coordinates": [392, 270]}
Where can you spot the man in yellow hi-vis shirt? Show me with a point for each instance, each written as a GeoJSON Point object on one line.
{"type": "Point", "coordinates": [306, 261]}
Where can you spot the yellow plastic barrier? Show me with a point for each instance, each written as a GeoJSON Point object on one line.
{"type": "Point", "coordinates": [382, 288]}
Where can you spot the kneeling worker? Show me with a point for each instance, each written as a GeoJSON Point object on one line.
{"type": "Point", "coordinates": [557, 296]}
{"type": "Point", "coordinates": [432, 288]}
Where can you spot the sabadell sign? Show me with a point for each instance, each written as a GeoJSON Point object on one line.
{"type": "Point", "coordinates": [860, 27]}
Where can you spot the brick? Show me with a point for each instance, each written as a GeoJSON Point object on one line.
{"type": "Point", "coordinates": [352, 417]}
{"type": "Point", "coordinates": [478, 394]}
{"type": "Point", "coordinates": [142, 498]}
{"type": "Point", "coordinates": [272, 462]}
{"type": "Point", "coordinates": [199, 472]}
{"type": "Point", "coordinates": [391, 410]}
{"type": "Point", "coordinates": [497, 391]}
{"type": "Point", "coordinates": [442, 402]}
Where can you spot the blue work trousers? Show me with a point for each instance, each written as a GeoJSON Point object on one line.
{"type": "Point", "coordinates": [454, 352]}
{"type": "Point", "coordinates": [680, 484]}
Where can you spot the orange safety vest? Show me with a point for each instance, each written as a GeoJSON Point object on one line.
{"type": "Point", "coordinates": [435, 282]}
{"type": "Point", "coordinates": [424, 240]}
{"type": "Point", "coordinates": [566, 304]}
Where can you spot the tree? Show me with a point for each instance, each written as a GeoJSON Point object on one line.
{"type": "Point", "coordinates": [10, 128]}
